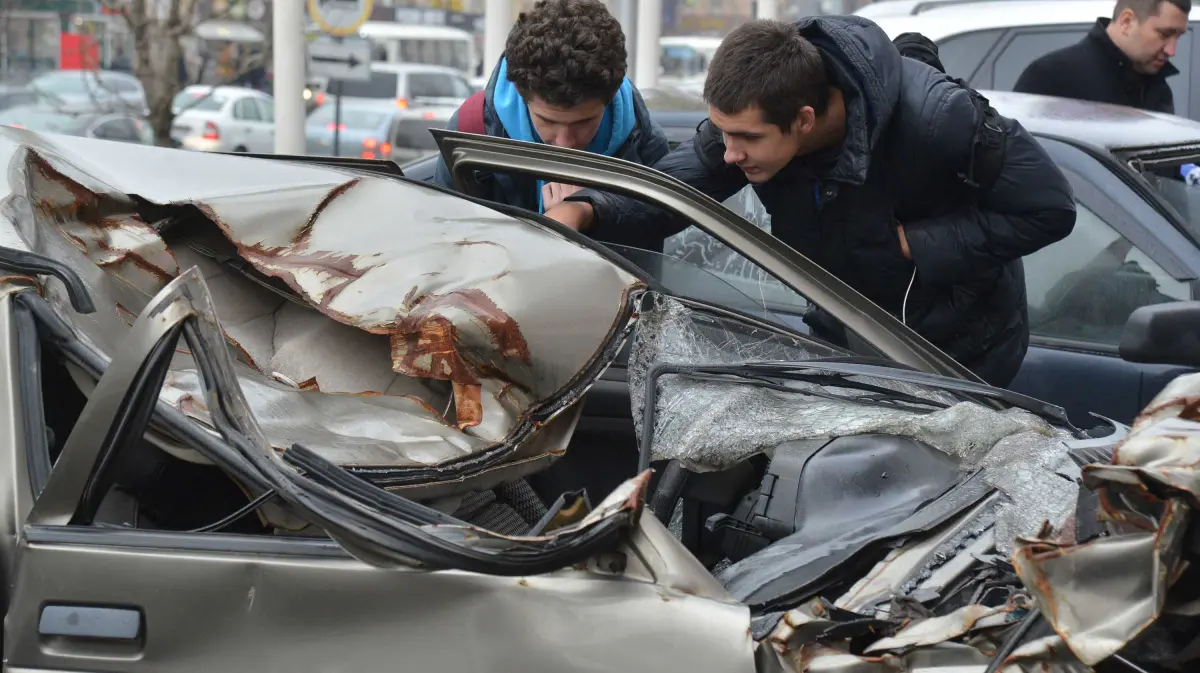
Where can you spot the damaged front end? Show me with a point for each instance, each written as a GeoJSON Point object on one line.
{"type": "Point", "coordinates": [894, 522]}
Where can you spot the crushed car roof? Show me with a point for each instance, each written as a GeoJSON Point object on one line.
{"type": "Point", "coordinates": [383, 324]}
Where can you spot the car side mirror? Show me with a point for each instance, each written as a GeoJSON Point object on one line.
{"type": "Point", "coordinates": [1165, 334]}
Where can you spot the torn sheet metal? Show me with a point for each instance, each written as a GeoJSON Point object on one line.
{"type": "Point", "coordinates": [952, 626]}
{"type": "Point", "coordinates": [408, 332]}
{"type": "Point", "coordinates": [714, 424]}
{"type": "Point", "coordinates": [1100, 595]}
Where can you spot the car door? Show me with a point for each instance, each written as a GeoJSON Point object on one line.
{"type": "Point", "coordinates": [1121, 255]}
{"type": "Point", "coordinates": [266, 137]}
{"type": "Point", "coordinates": [86, 593]}
{"type": "Point", "coordinates": [248, 128]}
{"type": "Point", "coordinates": [1021, 46]}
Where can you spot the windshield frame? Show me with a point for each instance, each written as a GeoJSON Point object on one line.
{"type": "Point", "coordinates": [1134, 163]}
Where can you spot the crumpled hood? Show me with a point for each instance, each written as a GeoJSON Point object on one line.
{"type": "Point", "coordinates": [867, 67]}
{"type": "Point", "coordinates": [389, 327]}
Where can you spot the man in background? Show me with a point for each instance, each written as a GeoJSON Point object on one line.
{"type": "Point", "coordinates": [1124, 60]}
{"type": "Point", "coordinates": [560, 82]}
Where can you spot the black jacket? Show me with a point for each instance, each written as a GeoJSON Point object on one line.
{"type": "Point", "coordinates": [909, 131]}
{"type": "Point", "coordinates": [1095, 69]}
{"type": "Point", "coordinates": [646, 144]}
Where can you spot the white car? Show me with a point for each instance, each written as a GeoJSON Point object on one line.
{"type": "Point", "coordinates": [411, 85]}
{"type": "Point", "coordinates": [990, 43]}
{"type": "Point", "coordinates": [227, 119]}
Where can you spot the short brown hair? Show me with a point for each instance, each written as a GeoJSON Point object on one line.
{"type": "Point", "coordinates": [768, 64]}
{"type": "Point", "coordinates": [567, 52]}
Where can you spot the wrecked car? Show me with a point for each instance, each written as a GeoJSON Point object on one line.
{"type": "Point", "coordinates": [311, 415]}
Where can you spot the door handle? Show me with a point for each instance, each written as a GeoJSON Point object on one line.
{"type": "Point", "coordinates": [90, 622]}
{"type": "Point", "coordinates": [92, 631]}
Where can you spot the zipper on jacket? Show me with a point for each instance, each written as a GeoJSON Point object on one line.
{"type": "Point", "coordinates": [822, 195]}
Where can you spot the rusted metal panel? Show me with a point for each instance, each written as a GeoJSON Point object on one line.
{"type": "Point", "coordinates": [423, 331]}
{"type": "Point", "coordinates": [1102, 594]}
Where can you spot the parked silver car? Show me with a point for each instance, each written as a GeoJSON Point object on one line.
{"type": "Point", "coordinates": [91, 89]}
{"type": "Point", "coordinates": [307, 415]}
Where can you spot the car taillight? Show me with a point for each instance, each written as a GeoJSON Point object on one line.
{"type": "Point", "coordinates": [330, 127]}
{"type": "Point", "coordinates": [429, 115]}
{"type": "Point", "coordinates": [321, 98]}
{"type": "Point", "coordinates": [370, 145]}
{"type": "Point", "coordinates": [211, 132]}
{"type": "Point", "coordinates": [402, 103]}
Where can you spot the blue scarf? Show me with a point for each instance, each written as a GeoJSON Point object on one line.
{"type": "Point", "coordinates": [618, 122]}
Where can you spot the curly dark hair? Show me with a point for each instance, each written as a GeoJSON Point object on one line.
{"type": "Point", "coordinates": [567, 52]}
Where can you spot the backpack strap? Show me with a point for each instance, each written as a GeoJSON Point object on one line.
{"type": "Point", "coordinates": [470, 114]}
{"type": "Point", "coordinates": [988, 147]}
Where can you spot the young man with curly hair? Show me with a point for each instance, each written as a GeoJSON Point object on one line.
{"type": "Point", "coordinates": [560, 82]}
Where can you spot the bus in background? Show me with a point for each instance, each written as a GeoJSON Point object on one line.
{"type": "Point", "coordinates": [417, 44]}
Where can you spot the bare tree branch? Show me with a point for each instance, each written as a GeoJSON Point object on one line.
{"type": "Point", "coordinates": [159, 46]}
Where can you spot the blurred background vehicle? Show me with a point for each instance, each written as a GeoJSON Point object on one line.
{"type": "Point", "coordinates": [124, 127]}
{"type": "Point", "coordinates": [11, 96]}
{"type": "Point", "coordinates": [87, 89]}
{"type": "Point", "coordinates": [411, 139]}
{"type": "Point", "coordinates": [989, 43]}
{"type": "Point", "coordinates": [686, 57]}
{"type": "Point", "coordinates": [419, 44]}
{"type": "Point", "coordinates": [408, 86]}
{"type": "Point", "coordinates": [314, 93]}
{"type": "Point", "coordinates": [375, 129]}
{"type": "Point", "coordinates": [365, 129]}
{"type": "Point", "coordinates": [227, 119]}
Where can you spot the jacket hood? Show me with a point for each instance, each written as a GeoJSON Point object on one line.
{"type": "Point", "coordinates": [866, 66]}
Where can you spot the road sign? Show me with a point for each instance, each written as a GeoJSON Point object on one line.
{"type": "Point", "coordinates": [338, 17]}
{"type": "Point", "coordinates": [347, 59]}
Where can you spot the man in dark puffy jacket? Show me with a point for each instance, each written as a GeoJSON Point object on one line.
{"type": "Point", "coordinates": [858, 153]}
{"type": "Point", "coordinates": [561, 82]}
{"type": "Point", "coordinates": [1123, 61]}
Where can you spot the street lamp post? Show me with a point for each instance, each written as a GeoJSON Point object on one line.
{"type": "Point", "coordinates": [290, 56]}
{"type": "Point", "coordinates": [497, 22]}
{"type": "Point", "coordinates": [649, 30]}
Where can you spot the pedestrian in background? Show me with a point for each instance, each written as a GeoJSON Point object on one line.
{"type": "Point", "coordinates": [881, 169]}
{"type": "Point", "coordinates": [1124, 60]}
{"type": "Point", "coordinates": [560, 82]}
